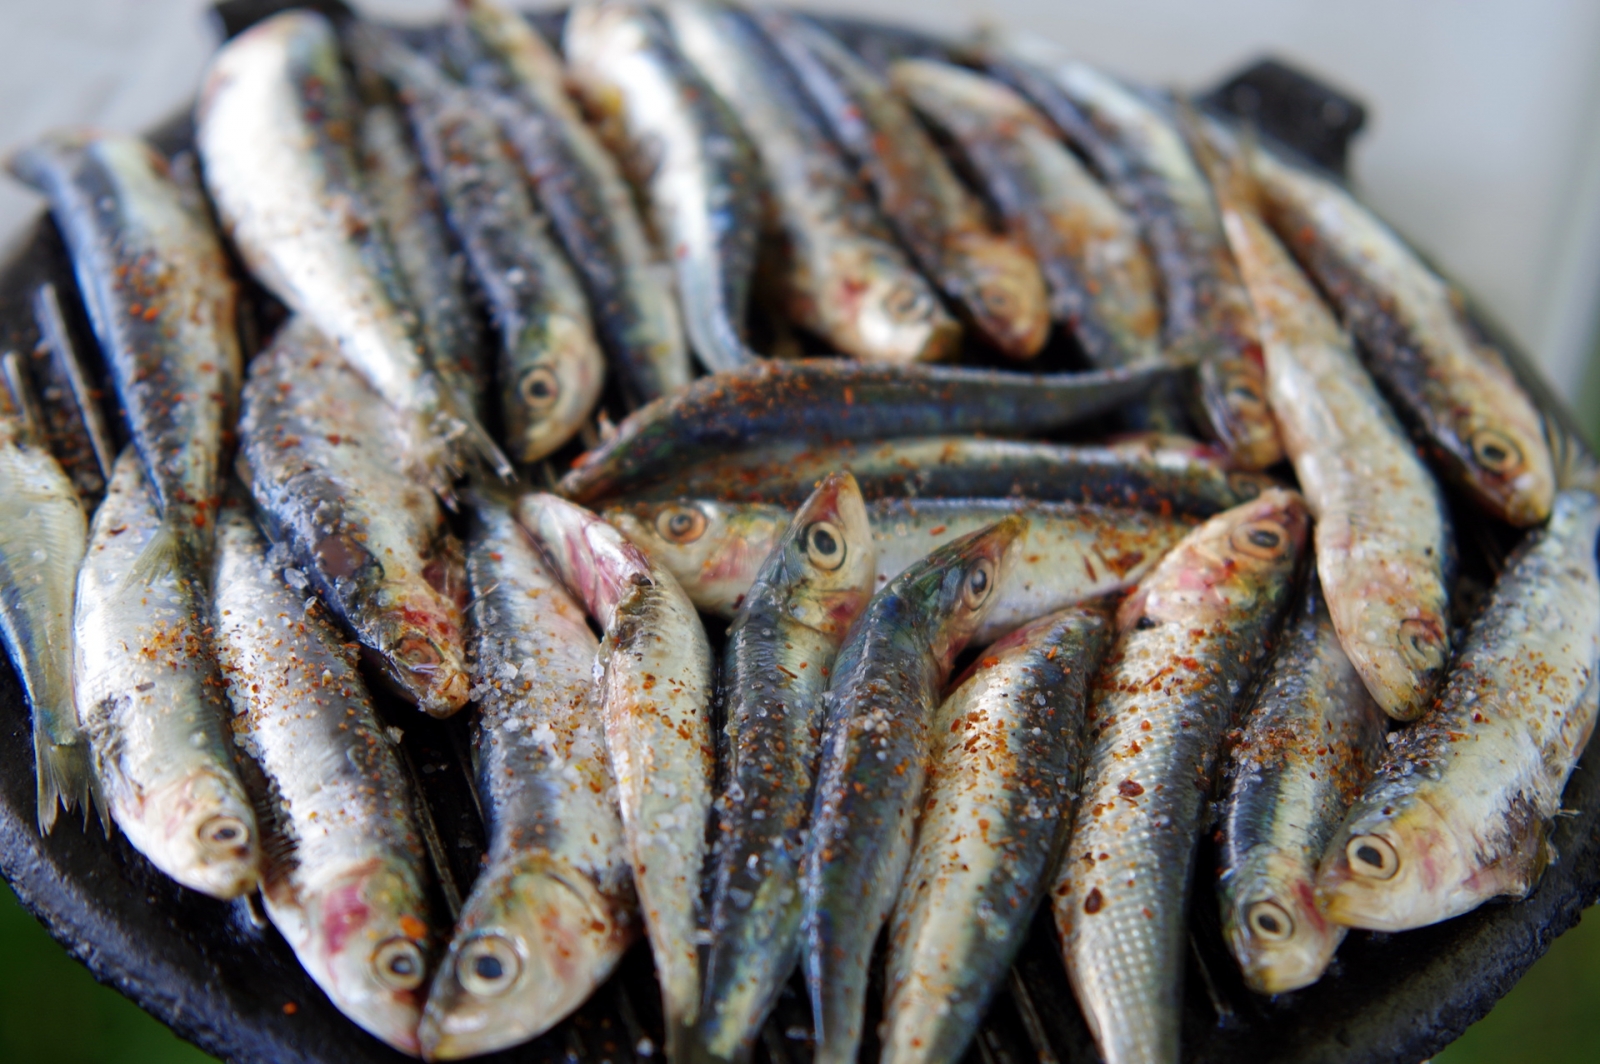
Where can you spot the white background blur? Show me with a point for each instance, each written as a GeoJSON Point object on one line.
{"type": "Point", "coordinates": [1482, 144]}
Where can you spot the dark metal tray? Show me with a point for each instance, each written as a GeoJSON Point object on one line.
{"type": "Point", "coordinates": [208, 971]}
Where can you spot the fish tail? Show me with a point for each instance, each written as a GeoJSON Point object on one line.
{"type": "Point", "coordinates": [65, 780]}
{"type": "Point", "coordinates": [463, 424]}
{"type": "Point", "coordinates": [1576, 467]}
{"type": "Point", "coordinates": [1231, 173]}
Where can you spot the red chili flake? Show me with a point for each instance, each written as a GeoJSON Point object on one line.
{"type": "Point", "coordinates": [1094, 902]}
{"type": "Point", "coordinates": [938, 530]}
{"type": "Point", "coordinates": [290, 1008]}
{"type": "Point", "coordinates": [1130, 789]}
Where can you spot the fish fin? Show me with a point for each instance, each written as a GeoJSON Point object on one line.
{"type": "Point", "coordinates": [162, 556]}
{"type": "Point", "coordinates": [1231, 173]}
{"type": "Point", "coordinates": [65, 780]}
{"type": "Point", "coordinates": [1576, 466]}
{"type": "Point", "coordinates": [464, 423]}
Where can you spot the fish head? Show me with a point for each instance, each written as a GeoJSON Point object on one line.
{"type": "Point", "coordinates": [416, 628]}
{"type": "Point", "coordinates": [1508, 462]}
{"type": "Point", "coordinates": [599, 566]}
{"type": "Point", "coordinates": [532, 943]}
{"type": "Point", "coordinates": [827, 560]}
{"type": "Point", "coordinates": [1233, 398]}
{"type": "Point", "coordinates": [1004, 293]}
{"type": "Point", "coordinates": [550, 397]}
{"type": "Point", "coordinates": [714, 549]}
{"type": "Point", "coordinates": [1270, 917]}
{"type": "Point", "coordinates": [200, 830]}
{"type": "Point", "coordinates": [897, 315]}
{"type": "Point", "coordinates": [1401, 860]}
{"type": "Point", "coordinates": [1237, 556]}
{"type": "Point", "coordinates": [957, 584]}
{"type": "Point", "coordinates": [367, 944]}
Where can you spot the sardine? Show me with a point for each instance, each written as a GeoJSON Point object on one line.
{"type": "Point", "coordinates": [1384, 547]}
{"type": "Point", "coordinates": [688, 152]}
{"type": "Point", "coordinates": [1311, 738]}
{"type": "Point", "coordinates": [42, 535]}
{"type": "Point", "coordinates": [992, 279]}
{"type": "Point", "coordinates": [655, 696]}
{"type": "Point", "coordinates": [997, 807]}
{"type": "Point", "coordinates": [433, 272]}
{"type": "Point", "coordinates": [1459, 811]}
{"type": "Point", "coordinates": [1101, 282]}
{"type": "Point", "coordinates": [551, 369]}
{"type": "Point", "coordinates": [344, 869]}
{"type": "Point", "coordinates": [844, 278]}
{"type": "Point", "coordinates": [1069, 554]}
{"type": "Point", "coordinates": [150, 701]}
{"type": "Point", "coordinates": [276, 128]}
{"type": "Point", "coordinates": [553, 910]}
{"type": "Point", "coordinates": [162, 305]}
{"type": "Point", "coordinates": [1446, 379]}
{"type": "Point", "coordinates": [582, 190]}
{"type": "Point", "coordinates": [1187, 641]}
{"type": "Point", "coordinates": [1207, 311]}
{"type": "Point", "coordinates": [826, 400]}
{"type": "Point", "coordinates": [1165, 475]}
{"type": "Point", "coordinates": [879, 713]}
{"type": "Point", "coordinates": [316, 451]}
{"type": "Point", "coordinates": [781, 648]}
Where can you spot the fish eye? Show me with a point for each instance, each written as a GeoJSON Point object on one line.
{"type": "Point", "coordinates": [1269, 920]}
{"type": "Point", "coordinates": [1495, 452]}
{"type": "Point", "coordinates": [539, 388]}
{"type": "Point", "coordinates": [488, 965]}
{"type": "Point", "coordinates": [1260, 539]}
{"type": "Point", "coordinates": [223, 832]}
{"type": "Point", "coordinates": [1246, 486]}
{"type": "Point", "coordinates": [824, 545]}
{"type": "Point", "coordinates": [681, 524]}
{"type": "Point", "coordinates": [904, 301]}
{"type": "Point", "coordinates": [980, 581]}
{"type": "Point", "coordinates": [398, 963]}
{"type": "Point", "coordinates": [1421, 643]}
{"type": "Point", "coordinates": [1372, 857]}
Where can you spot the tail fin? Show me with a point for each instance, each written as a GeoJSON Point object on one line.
{"type": "Point", "coordinates": [1225, 160]}
{"type": "Point", "coordinates": [1576, 466]}
{"type": "Point", "coordinates": [162, 556]}
{"type": "Point", "coordinates": [65, 780]}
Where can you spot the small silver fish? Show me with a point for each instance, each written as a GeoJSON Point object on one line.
{"type": "Point", "coordinates": [276, 128]}
{"type": "Point", "coordinates": [1462, 802]}
{"type": "Point", "coordinates": [344, 868]}
{"type": "Point", "coordinates": [553, 910]}
{"type": "Point", "coordinates": [150, 700]}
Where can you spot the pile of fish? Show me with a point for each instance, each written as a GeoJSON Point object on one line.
{"type": "Point", "coordinates": [1172, 553]}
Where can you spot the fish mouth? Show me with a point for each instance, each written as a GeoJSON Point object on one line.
{"type": "Point", "coordinates": [422, 670]}
{"type": "Point", "coordinates": [534, 941]}
{"type": "Point", "coordinates": [1282, 941]}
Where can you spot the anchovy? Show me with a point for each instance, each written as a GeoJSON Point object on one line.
{"type": "Point", "coordinates": [825, 400]}
{"type": "Point", "coordinates": [1459, 811]}
{"type": "Point", "coordinates": [878, 720]}
{"type": "Point", "coordinates": [655, 695]}
{"type": "Point", "coordinates": [1069, 554]}
{"type": "Point", "coordinates": [1311, 738]}
{"type": "Point", "coordinates": [781, 648]}
{"type": "Point", "coordinates": [276, 129]}
{"type": "Point", "coordinates": [844, 278]}
{"type": "Point", "coordinates": [1187, 641]}
{"type": "Point", "coordinates": [42, 535]}
{"type": "Point", "coordinates": [686, 149]}
{"type": "Point", "coordinates": [156, 286]}
{"type": "Point", "coordinates": [551, 369]}
{"type": "Point", "coordinates": [316, 451]}
{"type": "Point", "coordinates": [1165, 475]}
{"type": "Point", "coordinates": [553, 910]}
{"type": "Point", "coordinates": [433, 273]}
{"type": "Point", "coordinates": [581, 188]}
{"type": "Point", "coordinates": [992, 279]}
{"type": "Point", "coordinates": [344, 870]}
{"type": "Point", "coordinates": [1100, 279]}
{"type": "Point", "coordinates": [1384, 546]}
{"type": "Point", "coordinates": [150, 701]}
{"type": "Point", "coordinates": [995, 815]}
{"type": "Point", "coordinates": [1446, 379]}
{"type": "Point", "coordinates": [1207, 311]}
